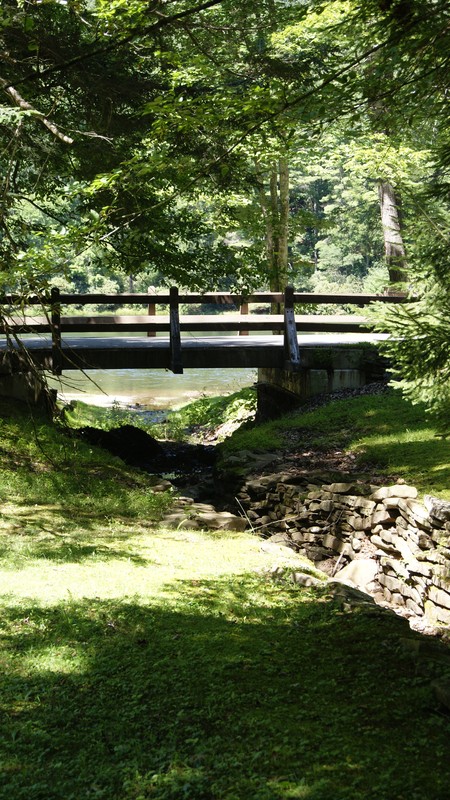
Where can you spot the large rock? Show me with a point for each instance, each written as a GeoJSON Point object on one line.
{"type": "Point", "coordinates": [220, 521]}
{"type": "Point", "coordinates": [439, 509]}
{"type": "Point", "coordinates": [348, 593]}
{"type": "Point", "coordinates": [305, 579]}
{"type": "Point", "coordinates": [199, 516]}
{"type": "Point", "coordinates": [275, 549]}
{"type": "Point", "coordinates": [360, 572]}
{"type": "Point", "coordinates": [398, 490]}
{"type": "Point", "coordinates": [131, 444]}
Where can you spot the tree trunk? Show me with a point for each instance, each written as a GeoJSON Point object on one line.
{"type": "Point", "coordinates": [275, 210]}
{"type": "Point", "coordinates": [272, 254]}
{"type": "Point", "coordinates": [267, 209]}
{"type": "Point", "coordinates": [394, 247]}
{"type": "Point", "coordinates": [282, 266]}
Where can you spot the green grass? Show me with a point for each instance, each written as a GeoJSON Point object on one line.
{"type": "Point", "coordinates": [203, 416]}
{"type": "Point", "coordinates": [182, 672]}
{"type": "Point", "coordinates": [206, 415]}
{"type": "Point", "coordinates": [139, 663]}
{"type": "Point", "coordinates": [386, 433]}
{"type": "Point", "coordinates": [42, 467]}
{"type": "Point", "coordinates": [78, 414]}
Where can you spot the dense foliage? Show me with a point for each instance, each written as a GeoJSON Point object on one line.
{"type": "Point", "coordinates": [229, 144]}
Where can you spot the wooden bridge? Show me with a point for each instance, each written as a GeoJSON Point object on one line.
{"type": "Point", "coordinates": [58, 341]}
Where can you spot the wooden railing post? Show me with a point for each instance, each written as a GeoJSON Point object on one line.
{"type": "Point", "coordinates": [243, 310]}
{"type": "Point", "coordinates": [176, 364]}
{"type": "Point", "coordinates": [151, 310]}
{"type": "Point", "coordinates": [56, 331]}
{"type": "Point", "coordinates": [291, 348]}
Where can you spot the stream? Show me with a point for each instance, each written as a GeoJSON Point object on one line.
{"type": "Point", "coordinates": [150, 390]}
{"type": "Point", "coordinates": [150, 394]}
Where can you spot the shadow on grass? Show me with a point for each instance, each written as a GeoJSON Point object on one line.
{"type": "Point", "coordinates": [224, 696]}
{"type": "Point", "coordinates": [63, 536]}
{"type": "Point", "coordinates": [86, 489]}
{"type": "Point", "coordinates": [75, 553]}
{"type": "Point", "coordinates": [429, 461]}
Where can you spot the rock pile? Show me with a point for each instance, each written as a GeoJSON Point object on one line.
{"type": "Point", "coordinates": [340, 524]}
{"type": "Point", "coordinates": [186, 513]}
{"type": "Point", "coordinates": [202, 516]}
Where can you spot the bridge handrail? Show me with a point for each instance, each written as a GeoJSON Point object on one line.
{"type": "Point", "coordinates": [205, 322]}
{"type": "Point", "coordinates": [289, 323]}
{"type": "Point", "coordinates": [194, 298]}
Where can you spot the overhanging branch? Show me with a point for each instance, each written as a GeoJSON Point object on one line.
{"type": "Point", "coordinates": [135, 33]}
{"type": "Point", "coordinates": [26, 106]}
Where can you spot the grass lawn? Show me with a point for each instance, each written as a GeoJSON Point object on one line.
{"type": "Point", "coordinates": [154, 664]}
{"type": "Point", "coordinates": [139, 663]}
{"type": "Point", "coordinates": [386, 433]}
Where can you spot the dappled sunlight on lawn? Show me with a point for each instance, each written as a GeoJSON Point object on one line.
{"type": "Point", "coordinates": [244, 689]}
{"type": "Point", "coordinates": [118, 560]}
{"type": "Point", "coordinates": [429, 455]}
{"type": "Point", "coordinates": [142, 663]}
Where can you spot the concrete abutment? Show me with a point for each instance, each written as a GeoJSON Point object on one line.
{"type": "Point", "coordinates": [29, 388]}
{"type": "Point", "coordinates": [323, 370]}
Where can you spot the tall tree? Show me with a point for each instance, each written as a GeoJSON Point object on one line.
{"type": "Point", "coordinates": [394, 247]}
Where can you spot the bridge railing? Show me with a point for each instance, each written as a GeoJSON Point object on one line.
{"type": "Point", "coordinates": [19, 320]}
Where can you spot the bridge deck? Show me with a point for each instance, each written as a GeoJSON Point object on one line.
{"type": "Point", "coordinates": [138, 352]}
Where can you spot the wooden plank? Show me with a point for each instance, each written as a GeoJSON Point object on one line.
{"type": "Point", "coordinates": [18, 300]}
{"type": "Point", "coordinates": [26, 325]}
{"type": "Point", "coordinates": [347, 299]}
{"type": "Point", "coordinates": [196, 298]}
{"type": "Point", "coordinates": [105, 323]}
{"type": "Point", "coordinates": [226, 298]}
{"type": "Point", "coordinates": [162, 298]}
{"type": "Point", "coordinates": [211, 322]}
{"type": "Point", "coordinates": [328, 324]}
{"type": "Point", "coordinates": [121, 299]}
{"type": "Point", "coordinates": [243, 311]}
{"type": "Point", "coordinates": [199, 352]}
{"type": "Point", "coordinates": [151, 311]}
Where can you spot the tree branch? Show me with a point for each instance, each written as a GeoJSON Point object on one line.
{"type": "Point", "coordinates": [38, 207]}
{"type": "Point", "coordinates": [136, 32]}
{"type": "Point", "coordinates": [26, 106]}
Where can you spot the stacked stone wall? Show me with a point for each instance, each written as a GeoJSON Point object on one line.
{"type": "Point", "coordinates": [334, 524]}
